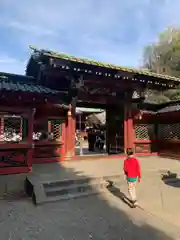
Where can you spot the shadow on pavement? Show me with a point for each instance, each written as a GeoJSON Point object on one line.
{"type": "Point", "coordinates": [93, 217]}
{"type": "Point", "coordinates": [171, 179]}
{"type": "Point", "coordinates": [117, 193]}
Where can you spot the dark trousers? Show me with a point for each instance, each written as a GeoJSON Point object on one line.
{"type": "Point", "coordinates": [91, 146]}
{"type": "Point", "coordinates": [101, 146]}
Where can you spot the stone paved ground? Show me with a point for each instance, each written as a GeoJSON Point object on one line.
{"type": "Point", "coordinates": [97, 217]}
{"type": "Point", "coordinates": [102, 167]}
{"type": "Point", "coordinates": [114, 166]}
{"type": "Point", "coordinates": [156, 197]}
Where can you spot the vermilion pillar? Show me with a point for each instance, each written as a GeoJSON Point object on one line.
{"type": "Point", "coordinates": [73, 129]}
{"type": "Point", "coordinates": [70, 135]}
{"type": "Point", "coordinates": [125, 127]}
{"type": "Point", "coordinates": [107, 131]}
{"type": "Point", "coordinates": [49, 126]}
{"type": "Point", "coordinates": [2, 125]}
{"type": "Point", "coordinates": [30, 138]}
{"type": "Point", "coordinates": [63, 139]}
{"type": "Point", "coordinates": [128, 127]}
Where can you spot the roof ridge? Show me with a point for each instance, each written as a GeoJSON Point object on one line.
{"type": "Point", "coordinates": [102, 64]}
{"type": "Point", "coordinates": [2, 75]}
{"type": "Point", "coordinates": [31, 85]}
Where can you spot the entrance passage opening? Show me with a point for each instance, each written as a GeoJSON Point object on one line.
{"type": "Point", "coordinates": [90, 138]}
{"type": "Point", "coordinates": [115, 130]}
{"type": "Point", "coordinates": [99, 131]}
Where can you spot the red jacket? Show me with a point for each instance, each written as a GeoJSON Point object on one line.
{"type": "Point", "coordinates": [132, 168]}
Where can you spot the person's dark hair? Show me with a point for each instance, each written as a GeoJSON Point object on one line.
{"type": "Point", "coordinates": [129, 151]}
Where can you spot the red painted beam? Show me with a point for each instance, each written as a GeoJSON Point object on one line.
{"type": "Point", "coordinates": [15, 146]}
{"type": "Point", "coordinates": [15, 170]}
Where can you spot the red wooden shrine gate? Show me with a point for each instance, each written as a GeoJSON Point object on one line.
{"type": "Point", "coordinates": [56, 78]}
{"type": "Point", "coordinates": [92, 83]}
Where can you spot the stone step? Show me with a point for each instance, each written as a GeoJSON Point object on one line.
{"type": "Point", "coordinates": [52, 190]}
{"type": "Point", "coordinates": [44, 192]}
{"type": "Point", "coordinates": [79, 188]}
{"type": "Point", "coordinates": [67, 197]}
{"type": "Point", "coordinates": [69, 182]}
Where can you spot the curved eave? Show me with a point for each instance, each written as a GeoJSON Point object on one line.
{"type": "Point", "coordinates": [105, 65]}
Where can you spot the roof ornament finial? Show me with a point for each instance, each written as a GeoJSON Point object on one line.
{"type": "Point", "coordinates": [32, 47]}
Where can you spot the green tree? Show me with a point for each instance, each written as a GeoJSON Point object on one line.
{"type": "Point", "coordinates": [163, 57]}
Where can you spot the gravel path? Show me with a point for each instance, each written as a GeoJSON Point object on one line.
{"type": "Point", "coordinates": [98, 217]}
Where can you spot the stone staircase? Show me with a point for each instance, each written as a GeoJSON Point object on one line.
{"type": "Point", "coordinates": [43, 189]}
{"type": "Point", "coordinates": [57, 190]}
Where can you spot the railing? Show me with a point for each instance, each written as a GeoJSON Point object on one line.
{"type": "Point", "coordinates": [13, 128]}
{"type": "Point", "coordinates": [47, 140]}
{"type": "Point", "coordinates": [161, 138]}
{"type": "Point", "coordinates": [49, 130]}
{"type": "Point", "coordinates": [13, 139]}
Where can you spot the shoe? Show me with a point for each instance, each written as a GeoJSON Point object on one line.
{"type": "Point", "coordinates": [134, 204]}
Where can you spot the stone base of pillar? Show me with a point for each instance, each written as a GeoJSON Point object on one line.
{"type": "Point", "coordinates": [69, 155]}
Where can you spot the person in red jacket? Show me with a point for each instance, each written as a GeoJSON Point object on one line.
{"type": "Point", "coordinates": [133, 174]}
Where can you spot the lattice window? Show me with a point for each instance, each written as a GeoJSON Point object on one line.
{"type": "Point", "coordinates": [56, 129]}
{"type": "Point", "coordinates": [13, 128]}
{"type": "Point", "coordinates": [169, 131]}
{"type": "Point", "coordinates": [144, 131]}
{"type": "Point", "coordinates": [45, 129]}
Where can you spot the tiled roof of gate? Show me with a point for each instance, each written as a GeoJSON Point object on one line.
{"type": "Point", "coordinates": [16, 77]}
{"type": "Point", "coordinates": [101, 64]}
{"type": "Point", "coordinates": [24, 87]}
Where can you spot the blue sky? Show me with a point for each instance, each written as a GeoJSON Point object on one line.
{"type": "Point", "coordinates": [113, 31]}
